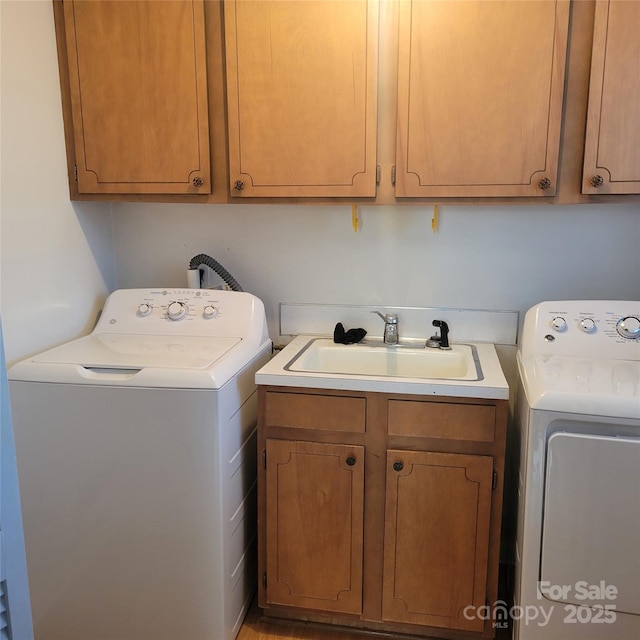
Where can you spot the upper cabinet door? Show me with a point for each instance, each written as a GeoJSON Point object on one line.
{"type": "Point", "coordinates": [138, 85]}
{"type": "Point", "coordinates": [480, 91]}
{"type": "Point", "coordinates": [301, 94]}
{"type": "Point", "coordinates": [612, 145]}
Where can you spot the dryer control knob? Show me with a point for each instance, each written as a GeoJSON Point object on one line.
{"type": "Point", "coordinates": [209, 311]}
{"type": "Point", "coordinates": [144, 309]}
{"type": "Point", "coordinates": [559, 324]}
{"type": "Point", "coordinates": [588, 325]}
{"type": "Point", "coordinates": [629, 327]}
{"type": "Point", "coordinates": [176, 310]}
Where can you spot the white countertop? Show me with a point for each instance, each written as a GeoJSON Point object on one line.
{"type": "Point", "coordinates": [493, 384]}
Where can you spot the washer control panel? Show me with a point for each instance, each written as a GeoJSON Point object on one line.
{"type": "Point", "coordinates": [584, 328]}
{"type": "Point", "coordinates": [179, 304]}
{"type": "Point", "coordinates": [203, 312]}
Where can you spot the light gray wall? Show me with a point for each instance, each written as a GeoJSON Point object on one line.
{"type": "Point", "coordinates": [56, 259]}
{"type": "Point", "coordinates": [479, 257]}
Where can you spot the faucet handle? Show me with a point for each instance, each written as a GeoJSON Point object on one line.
{"type": "Point", "coordinates": [389, 318]}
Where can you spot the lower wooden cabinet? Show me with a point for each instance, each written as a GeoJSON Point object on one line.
{"type": "Point", "coordinates": [382, 512]}
{"type": "Point", "coordinates": [314, 525]}
{"type": "Point", "coordinates": [437, 519]}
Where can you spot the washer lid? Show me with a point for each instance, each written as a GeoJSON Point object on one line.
{"type": "Point", "coordinates": [130, 351]}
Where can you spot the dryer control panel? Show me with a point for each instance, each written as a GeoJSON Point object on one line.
{"type": "Point", "coordinates": [583, 328]}
{"type": "Point", "coordinates": [582, 356]}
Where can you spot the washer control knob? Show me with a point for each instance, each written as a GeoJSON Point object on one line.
{"type": "Point", "coordinates": [144, 309]}
{"type": "Point", "coordinates": [588, 325]}
{"type": "Point", "coordinates": [209, 311]}
{"type": "Point", "coordinates": [559, 324]}
{"type": "Point", "coordinates": [176, 310]}
{"type": "Point", "coordinates": [629, 327]}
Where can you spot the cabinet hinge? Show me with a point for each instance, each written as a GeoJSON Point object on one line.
{"type": "Point", "coordinates": [494, 482]}
{"type": "Point", "coordinates": [75, 172]}
{"type": "Point", "coordinates": [378, 173]}
{"type": "Point", "coordinates": [393, 175]}
{"type": "Point", "coordinates": [264, 458]}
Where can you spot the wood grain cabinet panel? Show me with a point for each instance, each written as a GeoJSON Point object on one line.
{"type": "Point", "coordinates": [393, 528]}
{"type": "Point", "coordinates": [315, 502]}
{"type": "Point", "coordinates": [480, 93]}
{"type": "Point", "coordinates": [311, 411]}
{"type": "Point", "coordinates": [445, 421]}
{"type": "Point", "coordinates": [138, 86]}
{"type": "Point", "coordinates": [302, 96]}
{"type": "Point", "coordinates": [612, 144]}
{"type": "Point", "coordinates": [436, 545]}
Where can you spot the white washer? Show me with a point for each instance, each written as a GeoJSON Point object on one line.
{"type": "Point", "coordinates": [137, 464]}
{"type": "Point", "coordinates": [578, 437]}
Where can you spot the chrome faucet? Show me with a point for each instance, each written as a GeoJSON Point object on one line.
{"type": "Point", "coordinates": [390, 335]}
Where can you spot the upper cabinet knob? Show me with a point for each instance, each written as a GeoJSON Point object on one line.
{"type": "Point", "coordinates": [597, 181]}
{"type": "Point", "coordinates": [544, 183]}
{"type": "Point", "coordinates": [238, 185]}
{"type": "Point", "coordinates": [198, 181]}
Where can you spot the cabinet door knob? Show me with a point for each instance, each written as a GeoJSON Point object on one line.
{"type": "Point", "coordinates": [597, 181]}
{"type": "Point", "coordinates": [398, 466]}
{"type": "Point", "coordinates": [198, 181]}
{"type": "Point", "coordinates": [544, 184]}
{"type": "Point", "coordinates": [238, 185]}
{"type": "Point", "coordinates": [350, 461]}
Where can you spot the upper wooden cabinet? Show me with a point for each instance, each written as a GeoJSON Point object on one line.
{"type": "Point", "coordinates": [612, 147]}
{"type": "Point", "coordinates": [343, 101]}
{"type": "Point", "coordinates": [480, 92]}
{"type": "Point", "coordinates": [138, 88]}
{"type": "Point", "coordinates": [301, 96]}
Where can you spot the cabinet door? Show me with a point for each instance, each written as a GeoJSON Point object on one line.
{"type": "Point", "coordinates": [612, 144]}
{"type": "Point", "coordinates": [302, 95]}
{"type": "Point", "coordinates": [137, 74]}
{"type": "Point", "coordinates": [436, 545]}
{"type": "Point", "coordinates": [314, 525]}
{"type": "Point", "coordinates": [480, 91]}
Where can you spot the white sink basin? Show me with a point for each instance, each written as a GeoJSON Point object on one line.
{"type": "Point", "coordinates": [324, 356]}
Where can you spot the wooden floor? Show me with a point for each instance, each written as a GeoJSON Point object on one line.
{"type": "Point", "coordinates": [255, 628]}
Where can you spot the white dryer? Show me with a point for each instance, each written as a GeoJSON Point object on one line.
{"type": "Point", "coordinates": [578, 437]}
{"type": "Point", "coordinates": [137, 465]}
